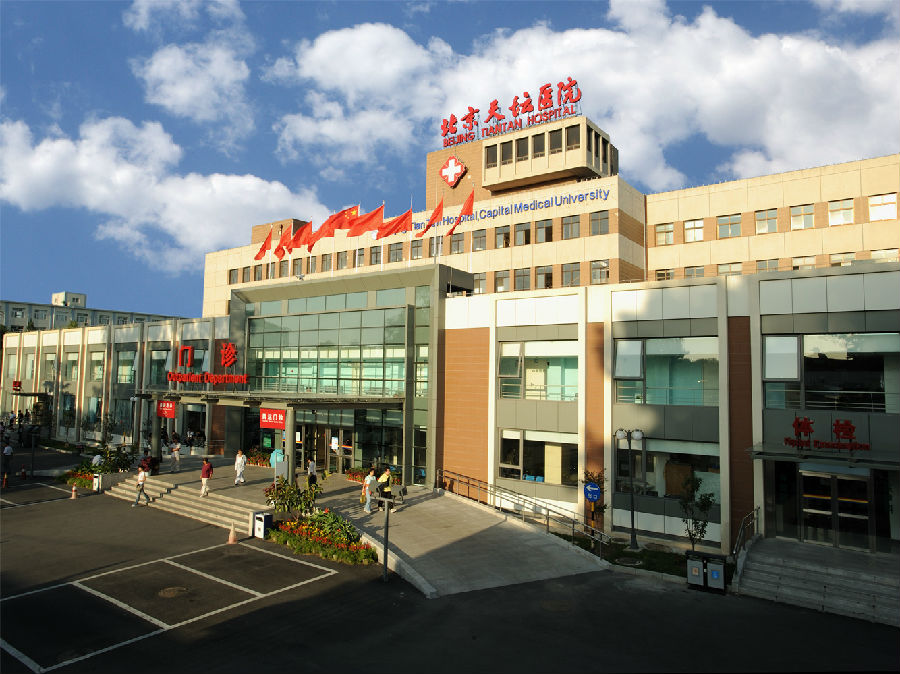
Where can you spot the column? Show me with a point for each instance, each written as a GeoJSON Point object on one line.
{"type": "Point", "coordinates": [154, 434]}
{"type": "Point", "coordinates": [290, 453]}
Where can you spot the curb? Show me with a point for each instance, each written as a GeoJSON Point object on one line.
{"type": "Point", "coordinates": [401, 567]}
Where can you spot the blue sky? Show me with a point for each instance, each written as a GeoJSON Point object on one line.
{"type": "Point", "coordinates": [135, 137]}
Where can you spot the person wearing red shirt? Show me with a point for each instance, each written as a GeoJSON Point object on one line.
{"type": "Point", "coordinates": [205, 474]}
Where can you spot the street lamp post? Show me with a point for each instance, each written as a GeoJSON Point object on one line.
{"type": "Point", "coordinates": [637, 434]}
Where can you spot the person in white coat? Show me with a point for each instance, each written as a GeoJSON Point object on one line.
{"type": "Point", "coordinates": [240, 461]}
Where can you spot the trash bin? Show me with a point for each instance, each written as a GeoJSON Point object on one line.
{"type": "Point", "coordinates": [96, 485]}
{"type": "Point", "coordinates": [715, 573]}
{"type": "Point", "coordinates": [695, 572]}
{"type": "Point", "coordinates": [261, 522]}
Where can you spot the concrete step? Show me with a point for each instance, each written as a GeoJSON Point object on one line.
{"type": "Point", "coordinates": [242, 525]}
{"type": "Point", "coordinates": [863, 584]}
{"type": "Point", "coordinates": [889, 577]}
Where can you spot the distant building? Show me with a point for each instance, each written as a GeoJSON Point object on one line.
{"type": "Point", "coordinates": [64, 308]}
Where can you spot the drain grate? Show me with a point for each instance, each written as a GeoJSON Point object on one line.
{"type": "Point", "coordinates": [172, 592]}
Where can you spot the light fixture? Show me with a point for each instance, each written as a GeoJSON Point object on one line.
{"type": "Point", "coordinates": [636, 434]}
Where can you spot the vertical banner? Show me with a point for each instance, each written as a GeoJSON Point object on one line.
{"type": "Point", "coordinates": [165, 408]}
{"type": "Point", "coordinates": [271, 418]}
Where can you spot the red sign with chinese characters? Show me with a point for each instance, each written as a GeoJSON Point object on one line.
{"type": "Point", "coordinates": [843, 431]}
{"type": "Point", "coordinates": [227, 358]}
{"type": "Point", "coordinates": [227, 354]}
{"type": "Point", "coordinates": [271, 418]}
{"type": "Point", "coordinates": [522, 114]}
{"type": "Point", "coordinates": [165, 409]}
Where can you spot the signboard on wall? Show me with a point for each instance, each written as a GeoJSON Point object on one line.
{"type": "Point", "coordinates": [271, 418]}
{"type": "Point", "coordinates": [166, 408]}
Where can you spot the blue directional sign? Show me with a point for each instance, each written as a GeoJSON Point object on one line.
{"type": "Point", "coordinates": [592, 491]}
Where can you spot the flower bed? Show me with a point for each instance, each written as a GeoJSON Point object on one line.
{"type": "Point", "coordinates": [327, 534]}
{"type": "Point", "coordinates": [80, 478]}
{"type": "Point", "coordinates": [258, 458]}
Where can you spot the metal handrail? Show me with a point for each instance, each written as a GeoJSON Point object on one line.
{"type": "Point", "coordinates": [551, 514]}
{"type": "Point", "coordinates": [749, 519]}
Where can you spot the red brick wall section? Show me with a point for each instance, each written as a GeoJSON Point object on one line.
{"type": "Point", "coordinates": [466, 364]}
{"type": "Point", "coordinates": [594, 437]}
{"type": "Point", "coordinates": [739, 420]}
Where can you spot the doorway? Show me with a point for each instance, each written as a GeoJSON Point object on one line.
{"type": "Point", "coordinates": [835, 509]}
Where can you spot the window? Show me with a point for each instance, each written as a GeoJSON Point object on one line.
{"type": "Point", "coordinates": [802, 217]}
{"type": "Point", "coordinates": [284, 268]}
{"type": "Point", "coordinates": [232, 276]}
{"type": "Point", "coordinates": [501, 281]}
{"type": "Point", "coordinates": [885, 255]}
{"type": "Point", "coordinates": [257, 272]}
{"type": "Point", "coordinates": [81, 318]}
{"type": "Point", "coordinates": [571, 225]}
{"type": "Point", "coordinates": [837, 371]}
{"type": "Point", "coordinates": [538, 145]}
{"type": "Point", "coordinates": [573, 137]}
{"type": "Point", "coordinates": [506, 153]}
{"type": "Point", "coordinates": [159, 365]}
{"type": "Point", "coordinates": [523, 233]}
{"type": "Point", "coordinates": [326, 261]}
{"type": "Point", "coordinates": [571, 274]}
{"type": "Point", "coordinates": [395, 252]}
{"type": "Point", "coordinates": [501, 237]}
{"type": "Point", "coordinates": [766, 265]}
{"type": "Point", "coordinates": [415, 249]}
{"type": "Point", "coordinates": [543, 231]}
{"type": "Point", "coordinates": [556, 141]}
{"type": "Point", "coordinates": [883, 207]}
{"type": "Point", "coordinates": [457, 240]}
{"type": "Point", "coordinates": [665, 234]}
{"type": "Point", "coordinates": [799, 263]}
{"type": "Point", "coordinates": [49, 371]}
{"type": "Point", "coordinates": [40, 314]}
{"type": "Point", "coordinates": [693, 272]}
{"type": "Point", "coordinates": [125, 367]}
{"type": "Point", "coordinates": [11, 364]}
{"type": "Point", "coordinates": [104, 319]}
{"type": "Point", "coordinates": [664, 274]}
{"type": "Point", "coordinates": [311, 265]}
{"type": "Point", "coordinates": [840, 212]}
{"type": "Point", "coordinates": [271, 272]}
{"type": "Point", "coordinates": [599, 271]}
{"type": "Point", "coordinates": [375, 255]}
{"type": "Point", "coordinates": [479, 239]}
{"type": "Point", "coordinates": [842, 259]}
{"type": "Point", "coordinates": [296, 267]}
{"type": "Point", "coordinates": [96, 366]}
{"type": "Point", "coordinates": [70, 366]}
{"type": "Point", "coordinates": [693, 230]}
{"type": "Point", "coordinates": [342, 259]}
{"type": "Point", "coordinates": [121, 320]}
{"type": "Point", "coordinates": [245, 275]}
{"type": "Point", "coordinates": [28, 370]}
{"type": "Point", "coordinates": [667, 371]}
{"type": "Point", "coordinates": [18, 312]}
{"type": "Point", "coordinates": [543, 277]}
{"type": "Point", "coordinates": [521, 149]}
{"type": "Point", "coordinates": [767, 221]}
{"type": "Point", "coordinates": [478, 283]}
{"type": "Point", "coordinates": [729, 269]}
{"type": "Point", "coordinates": [539, 456]}
{"type": "Point", "coordinates": [522, 279]}
{"type": "Point", "coordinates": [729, 226]}
{"type": "Point", "coordinates": [599, 223]}
{"type": "Point", "coordinates": [539, 370]}
{"type": "Point", "coordinates": [435, 246]}
{"type": "Point", "coordinates": [490, 156]}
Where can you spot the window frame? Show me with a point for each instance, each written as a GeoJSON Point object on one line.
{"type": "Point", "coordinates": [729, 226]}
{"type": "Point", "coordinates": [602, 269]}
{"type": "Point", "coordinates": [479, 240]}
{"type": "Point", "coordinates": [571, 275]}
{"type": "Point", "coordinates": [395, 252]}
{"type": "Point", "coordinates": [491, 156]}
{"type": "Point", "coordinates": [522, 278]}
{"type": "Point", "coordinates": [665, 233]}
{"type": "Point", "coordinates": [522, 233]}
{"type": "Point", "coordinates": [543, 231]}
{"type": "Point", "coordinates": [599, 223]}
{"type": "Point", "coordinates": [457, 243]}
{"type": "Point", "coordinates": [502, 237]}
{"type": "Point", "coordinates": [501, 274]}
{"type": "Point", "coordinates": [571, 227]}
{"type": "Point", "coordinates": [802, 217]}
{"type": "Point", "coordinates": [544, 272]}
{"type": "Point", "coordinates": [693, 231]}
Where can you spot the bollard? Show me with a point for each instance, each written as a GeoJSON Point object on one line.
{"type": "Point", "coordinates": [74, 493]}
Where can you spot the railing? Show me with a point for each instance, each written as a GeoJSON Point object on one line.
{"type": "Point", "coordinates": [498, 497]}
{"type": "Point", "coordinates": [750, 520]}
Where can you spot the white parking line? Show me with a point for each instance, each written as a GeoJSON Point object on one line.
{"type": "Point", "coordinates": [211, 577]}
{"type": "Point", "coordinates": [122, 605]}
{"type": "Point", "coordinates": [31, 503]}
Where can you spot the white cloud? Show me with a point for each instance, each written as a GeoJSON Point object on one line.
{"type": "Point", "coordinates": [125, 174]}
{"type": "Point", "coordinates": [143, 14]}
{"type": "Point", "coordinates": [652, 81]}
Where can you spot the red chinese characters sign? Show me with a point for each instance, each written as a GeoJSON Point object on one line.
{"type": "Point", "coordinates": [227, 359]}
{"type": "Point", "coordinates": [165, 409]}
{"type": "Point", "coordinates": [271, 418]}
{"type": "Point", "coordinates": [843, 433]}
{"type": "Point", "coordinates": [522, 113]}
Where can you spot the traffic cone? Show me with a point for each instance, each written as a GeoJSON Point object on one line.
{"type": "Point", "coordinates": [74, 493]}
{"type": "Point", "coordinates": [232, 536]}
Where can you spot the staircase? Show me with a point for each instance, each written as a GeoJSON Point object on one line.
{"type": "Point", "coordinates": [856, 584]}
{"type": "Point", "coordinates": [215, 509]}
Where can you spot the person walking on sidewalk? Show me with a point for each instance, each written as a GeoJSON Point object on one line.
{"type": "Point", "coordinates": [141, 479]}
{"type": "Point", "coordinates": [384, 487]}
{"type": "Point", "coordinates": [311, 472]}
{"type": "Point", "coordinates": [176, 457]}
{"type": "Point", "coordinates": [206, 473]}
{"type": "Point", "coordinates": [369, 485]}
{"type": "Point", "coordinates": [240, 461]}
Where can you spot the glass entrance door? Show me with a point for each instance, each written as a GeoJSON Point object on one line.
{"type": "Point", "coordinates": [835, 509]}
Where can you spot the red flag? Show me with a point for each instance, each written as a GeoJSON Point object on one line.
{"type": "Point", "coordinates": [368, 222]}
{"type": "Point", "coordinates": [466, 210]}
{"type": "Point", "coordinates": [284, 243]}
{"type": "Point", "coordinates": [301, 236]}
{"type": "Point", "coordinates": [344, 219]}
{"type": "Point", "coordinates": [336, 221]}
{"type": "Point", "coordinates": [264, 248]}
{"type": "Point", "coordinates": [436, 216]}
{"type": "Point", "coordinates": [402, 223]}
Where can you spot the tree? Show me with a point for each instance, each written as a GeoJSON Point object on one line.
{"type": "Point", "coordinates": [72, 324]}
{"type": "Point", "coordinates": [695, 509]}
{"type": "Point", "coordinates": [29, 327]}
{"type": "Point", "coordinates": [68, 422]}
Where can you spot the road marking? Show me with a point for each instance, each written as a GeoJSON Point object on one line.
{"type": "Point", "coordinates": [103, 650]}
{"type": "Point", "coordinates": [293, 559]}
{"type": "Point", "coordinates": [21, 657]}
{"type": "Point", "coordinates": [31, 503]}
{"type": "Point", "coordinates": [211, 577]}
{"type": "Point", "coordinates": [122, 605]}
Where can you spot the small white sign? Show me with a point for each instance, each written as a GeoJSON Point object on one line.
{"type": "Point", "coordinates": [334, 443]}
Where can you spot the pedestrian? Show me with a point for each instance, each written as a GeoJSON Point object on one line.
{"type": "Point", "coordinates": [384, 486]}
{"type": "Point", "coordinates": [7, 463]}
{"type": "Point", "coordinates": [176, 457]}
{"type": "Point", "coordinates": [311, 478]}
{"type": "Point", "coordinates": [240, 461]}
{"type": "Point", "coordinates": [206, 472]}
{"type": "Point", "coordinates": [141, 479]}
{"type": "Point", "coordinates": [97, 460]}
{"type": "Point", "coordinates": [369, 486]}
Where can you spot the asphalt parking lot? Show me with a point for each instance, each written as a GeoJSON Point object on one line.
{"type": "Point", "coordinates": [93, 585]}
